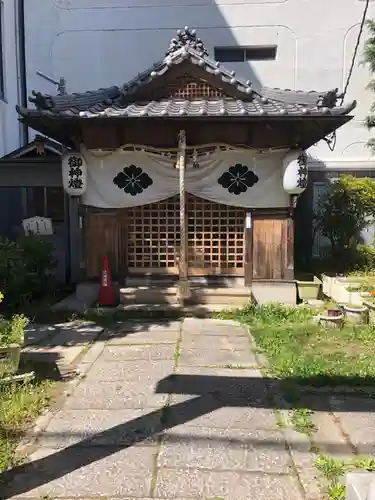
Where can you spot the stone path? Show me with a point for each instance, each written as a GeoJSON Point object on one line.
{"type": "Point", "coordinates": [59, 344]}
{"type": "Point", "coordinates": [175, 410]}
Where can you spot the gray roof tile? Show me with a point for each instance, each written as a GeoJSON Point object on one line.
{"type": "Point", "coordinates": [211, 107]}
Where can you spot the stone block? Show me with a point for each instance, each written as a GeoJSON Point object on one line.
{"type": "Point", "coordinates": [115, 395]}
{"type": "Point", "coordinates": [222, 342]}
{"type": "Point", "coordinates": [131, 371]}
{"type": "Point", "coordinates": [143, 334]}
{"type": "Point", "coordinates": [194, 326]}
{"type": "Point", "coordinates": [36, 333]}
{"type": "Point", "coordinates": [228, 449]}
{"type": "Point", "coordinates": [145, 352]}
{"type": "Point", "coordinates": [72, 334]}
{"type": "Point", "coordinates": [207, 412]}
{"type": "Point", "coordinates": [215, 357]}
{"type": "Point", "coordinates": [357, 417]}
{"type": "Point", "coordinates": [228, 485]}
{"type": "Point", "coordinates": [102, 428]}
{"type": "Point", "coordinates": [85, 472]}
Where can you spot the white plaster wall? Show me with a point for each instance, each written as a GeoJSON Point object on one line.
{"type": "Point", "coordinates": [94, 43]}
{"type": "Point", "coordinates": [9, 125]}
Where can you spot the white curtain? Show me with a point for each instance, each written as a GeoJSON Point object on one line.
{"type": "Point", "coordinates": [125, 179]}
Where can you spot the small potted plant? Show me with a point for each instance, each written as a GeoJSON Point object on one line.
{"type": "Point", "coordinates": [356, 314]}
{"type": "Point", "coordinates": [11, 341]}
{"type": "Point", "coordinates": [308, 287]}
{"type": "Point", "coordinates": [369, 302]}
{"type": "Point", "coordinates": [331, 318]}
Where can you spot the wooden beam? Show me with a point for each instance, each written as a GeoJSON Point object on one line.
{"type": "Point", "coordinates": [289, 268]}
{"type": "Point", "coordinates": [248, 264]}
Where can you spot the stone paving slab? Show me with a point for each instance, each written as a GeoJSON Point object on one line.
{"type": "Point", "coordinates": [102, 428]}
{"type": "Point", "coordinates": [59, 355]}
{"type": "Point", "coordinates": [212, 327]}
{"type": "Point", "coordinates": [358, 425]}
{"type": "Point", "coordinates": [130, 371]}
{"type": "Point", "coordinates": [109, 472]}
{"type": "Point", "coordinates": [329, 436]}
{"type": "Point", "coordinates": [245, 385]}
{"type": "Point", "coordinates": [139, 337]}
{"type": "Point", "coordinates": [224, 418]}
{"type": "Point", "coordinates": [192, 483]}
{"type": "Point", "coordinates": [115, 396]}
{"type": "Point", "coordinates": [93, 353]}
{"type": "Point", "coordinates": [144, 332]}
{"type": "Point", "coordinates": [230, 449]}
{"type": "Point", "coordinates": [34, 333]}
{"type": "Point", "coordinates": [153, 352]}
{"type": "Point", "coordinates": [215, 357]}
{"type": "Point", "coordinates": [222, 342]}
{"type": "Point", "coordinates": [71, 334]}
{"type": "Point", "coordinates": [209, 322]}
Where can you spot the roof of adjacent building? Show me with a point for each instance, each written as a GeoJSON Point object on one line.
{"type": "Point", "coordinates": [39, 146]}
{"type": "Point", "coordinates": [244, 100]}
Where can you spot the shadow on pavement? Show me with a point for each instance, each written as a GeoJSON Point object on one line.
{"type": "Point", "coordinates": [211, 393]}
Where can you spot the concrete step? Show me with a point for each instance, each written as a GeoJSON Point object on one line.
{"type": "Point", "coordinates": [229, 297]}
{"type": "Point", "coordinates": [199, 281]}
{"type": "Point", "coordinates": [200, 310]}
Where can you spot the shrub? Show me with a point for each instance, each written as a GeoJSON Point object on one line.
{"type": "Point", "coordinates": [12, 330]}
{"type": "Point", "coordinates": [346, 209]}
{"type": "Point", "coordinates": [38, 258]}
{"type": "Point", "coordinates": [25, 269]}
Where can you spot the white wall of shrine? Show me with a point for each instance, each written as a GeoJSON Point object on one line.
{"type": "Point", "coordinates": [95, 43]}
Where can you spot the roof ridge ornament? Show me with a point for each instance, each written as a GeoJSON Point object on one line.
{"type": "Point", "coordinates": [329, 99]}
{"type": "Point", "coordinates": [186, 38]}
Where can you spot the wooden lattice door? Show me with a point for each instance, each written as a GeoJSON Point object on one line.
{"type": "Point", "coordinates": [154, 237]}
{"type": "Point", "coordinates": [215, 238]}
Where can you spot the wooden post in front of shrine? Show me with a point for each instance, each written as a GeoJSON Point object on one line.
{"type": "Point", "coordinates": [183, 285]}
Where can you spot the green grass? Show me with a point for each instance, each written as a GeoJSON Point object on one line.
{"type": "Point", "coordinates": [298, 348]}
{"type": "Point", "coordinates": [334, 470]}
{"type": "Point", "coordinates": [20, 404]}
{"type": "Point", "coordinates": [302, 422]}
{"type": "Point", "coordinates": [301, 352]}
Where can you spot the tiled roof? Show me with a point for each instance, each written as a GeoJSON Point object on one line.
{"type": "Point", "coordinates": [211, 107]}
{"type": "Point", "coordinates": [38, 145]}
{"type": "Point", "coordinates": [119, 101]}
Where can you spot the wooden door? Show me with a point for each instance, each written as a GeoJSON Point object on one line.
{"type": "Point", "coordinates": [154, 237]}
{"type": "Point", "coordinates": [105, 235]}
{"type": "Point", "coordinates": [272, 247]}
{"type": "Point", "coordinates": [215, 235]}
{"type": "Point", "coordinates": [215, 238]}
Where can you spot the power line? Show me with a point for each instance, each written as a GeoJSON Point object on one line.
{"type": "Point", "coordinates": [355, 50]}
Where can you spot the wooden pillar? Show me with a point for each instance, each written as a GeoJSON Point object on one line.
{"type": "Point", "coordinates": [248, 249]}
{"type": "Point", "coordinates": [75, 238]}
{"type": "Point", "coordinates": [289, 268]}
{"type": "Point", "coordinates": [183, 288]}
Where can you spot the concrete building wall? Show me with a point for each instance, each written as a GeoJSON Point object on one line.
{"type": "Point", "coordinates": [94, 43]}
{"type": "Point", "coordinates": [9, 126]}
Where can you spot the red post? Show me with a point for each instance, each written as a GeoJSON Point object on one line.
{"type": "Point", "coordinates": [106, 290]}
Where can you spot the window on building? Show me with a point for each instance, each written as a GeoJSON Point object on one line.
{"type": "Point", "coordinates": [243, 54]}
{"type": "Point", "coordinates": [1, 50]}
{"type": "Point", "coordinates": [46, 202]}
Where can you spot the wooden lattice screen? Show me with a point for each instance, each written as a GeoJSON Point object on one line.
{"type": "Point", "coordinates": [186, 87]}
{"type": "Point", "coordinates": [215, 237]}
